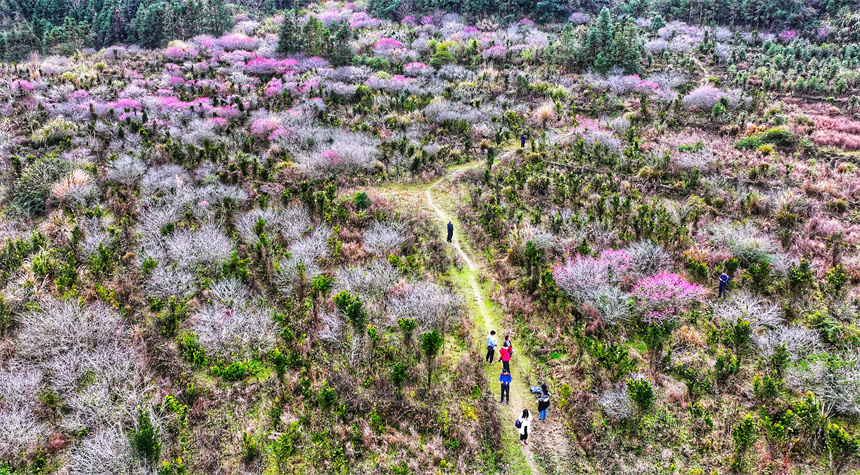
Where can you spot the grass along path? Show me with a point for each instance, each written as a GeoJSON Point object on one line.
{"type": "Point", "coordinates": [488, 317]}
{"type": "Point", "coordinates": [549, 447]}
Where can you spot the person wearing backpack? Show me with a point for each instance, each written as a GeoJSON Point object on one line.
{"type": "Point", "coordinates": [543, 402]}
{"type": "Point", "coordinates": [522, 425]}
{"type": "Point", "coordinates": [505, 379]}
{"type": "Point", "coordinates": [505, 358]}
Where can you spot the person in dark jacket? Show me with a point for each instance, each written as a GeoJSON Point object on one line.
{"type": "Point", "coordinates": [523, 141]}
{"type": "Point", "coordinates": [543, 402]}
{"type": "Point", "coordinates": [724, 282]}
{"type": "Point", "coordinates": [450, 231]}
{"type": "Point", "coordinates": [505, 379]}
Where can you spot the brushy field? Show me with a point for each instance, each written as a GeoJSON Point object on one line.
{"type": "Point", "coordinates": [216, 256]}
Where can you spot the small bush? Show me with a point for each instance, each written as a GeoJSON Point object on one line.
{"type": "Point", "coordinates": [641, 393]}
{"type": "Point", "coordinates": [361, 200]}
{"type": "Point", "coordinates": [144, 439]}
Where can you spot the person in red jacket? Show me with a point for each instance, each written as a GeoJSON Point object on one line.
{"type": "Point", "coordinates": [505, 358]}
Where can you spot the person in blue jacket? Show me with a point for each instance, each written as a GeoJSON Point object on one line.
{"type": "Point", "coordinates": [523, 141]}
{"type": "Point", "coordinates": [450, 231]}
{"type": "Point", "coordinates": [724, 282]}
{"type": "Point", "coordinates": [505, 379]}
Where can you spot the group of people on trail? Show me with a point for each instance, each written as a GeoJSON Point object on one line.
{"type": "Point", "coordinates": [541, 394]}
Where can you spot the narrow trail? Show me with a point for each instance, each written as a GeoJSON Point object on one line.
{"type": "Point", "coordinates": [547, 438]}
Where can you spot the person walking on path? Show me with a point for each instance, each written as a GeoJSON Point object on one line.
{"type": "Point", "coordinates": [724, 282]}
{"type": "Point", "coordinates": [523, 141]}
{"type": "Point", "coordinates": [505, 379]}
{"type": "Point", "coordinates": [507, 344]}
{"type": "Point", "coordinates": [450, 231]}
{"type": "Point", "coordinates": [491, 347]}
{"type": "Point", "coordinates": [505, 358]}
{"type": "Point", "coordinates": [525, 422]}
{"type": "Point", "coordinates": [543, 402]}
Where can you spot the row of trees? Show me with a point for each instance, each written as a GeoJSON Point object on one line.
{"type": "Point", "coordinates": [59, 26]}
{"type": "Point", "coordinates": [771, 13]}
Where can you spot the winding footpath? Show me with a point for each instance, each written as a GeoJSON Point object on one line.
{"type": "Point", "coordinates": [549, 448]}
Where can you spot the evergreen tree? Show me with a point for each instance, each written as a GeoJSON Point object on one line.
{"type": "Point", "coordinates": [290, 38]}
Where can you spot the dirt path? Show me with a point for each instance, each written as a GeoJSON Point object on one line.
{"type": "Point", "coordinates": [547, 440]}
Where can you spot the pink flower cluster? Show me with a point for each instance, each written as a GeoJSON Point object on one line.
{"type": "Point", "coordinates": [265, 128]}
{"type": "Point", "coordinates": [578, 18]}
{"type": "Point", "coordinates": [178, 54]}
{"type": "Point", "coordinates": [665, 295]}
{"type": "Point", "coordinates": [498, 51]}
{"type": "Point", "coordinates": [269, 65]}
{"type": "Point", "coordinates": [236, 41]}
{"type": "Point", "coordinates": [416, 69]}
{"type": "Point", "coordinates": [386, 46]}
{"type": "Point", "coordinates": [703, 98]}
{"type": "Point", "coordinates": [21, 86]}
{"type": "Point", "coordinates": [585, 274]}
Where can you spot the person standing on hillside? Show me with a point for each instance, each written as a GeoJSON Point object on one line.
{"type": "Point", "coordinates": [505, 379]}
{"type": "Point", "coordinates": [523, 427]}
{"type": "Point", "coordinates": [507, 344]}
{"type": "Point", "coordinates": [505, 357]}
{"type": "Point", "coordinates": [450, 231]}
{"type": "Point", "coordinates": [523, 141]}
{"type": "Point", "coordinates": [543, 402]}
{"type": "Point", "coordinates": [724, 282]}
{"type": "Point", "coordinates": [491, 347]}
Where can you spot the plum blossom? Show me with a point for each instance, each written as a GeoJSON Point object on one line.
{"type": "Point", "coordinates": [663, 296]}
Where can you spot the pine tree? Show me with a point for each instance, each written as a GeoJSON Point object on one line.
{"type": "Point", "coordinates": [290, 38]}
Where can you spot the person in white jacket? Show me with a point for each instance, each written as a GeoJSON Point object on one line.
{"type": "Point", "coordinates": [525, 423]}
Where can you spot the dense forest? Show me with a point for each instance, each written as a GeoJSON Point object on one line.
{"type": "Point", "coordinates": [225, 241]}
{"type": "Point", "coordinates": [63, 26]}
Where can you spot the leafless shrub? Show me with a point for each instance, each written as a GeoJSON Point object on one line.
{"type": "Point", "coordinates": [303, 260]}
{"type": "Point", "coordinates": [229, 292]}
{"type": "Point", "coordinates": [800, 342]}
{"type": "Point", "coordinates": [743, 240]}
{"type": "Point", "coordinates": [247, 223]}
{"type": "Point", "coordinates": [235, 333]}
{"type": "Point", "coordinates": [20, 429]}
{"type": "Point", "coordinates": [165, 281]}
{"type": "Point", "coordinates": [836, 382]}
{"type": "Point", "coordinates": [426, 303]}
{"type": "Point", "coordinates": [165, 177]}
{"type": "Point", "coordinates": [370, 282]}
{"type": "Point", "coordinates": [613, 305]}
{"type": "Point", "coordinates": [616, 403]}
{"type": "Point", "coordinates": [383, 239]}
{"type": "Point", "coordinates": [126, 170]}
{"type": "Point", "coordinates": [205, 247]}
{"type": "Point", "coordinates": [703, 159]}
{"type": "Point", "coordinates": [63, 327]}
{"type": "Point", "coordinates": [332, 327]}
{"type": "Point", "coordinates": [746, 306]}
{"type": "Point", "coordinates": [669, 79]}
{"type": "Point", "coordinates": [75, 189]}
{"type": "Point", "coordinates": [104, 452]}
{"type": "Point", "coordinates": [648, 258]}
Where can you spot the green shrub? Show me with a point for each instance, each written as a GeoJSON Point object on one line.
{"type": "Point", "coordinates": [326, 397]}
{"type": "Point", "coordinates": [841, 445]}
{"type": "Point", "coordinates": [32, 190]}
{"type": "Point", "coordinates": [361, 200]}
{"type": "Point", "coordinates": [727, 365]}
{"type": "Point", "coordinates": [237, 371]}
{"type": "Point", "coordinates": [779, 137]}
{"type": "Point", "coordinates": [641, 393]}
{"type": "Point", "coordinates": [250, 449]}
{"type": "Point", "coordinates": [779, 359]}
{"type": "Point", "coordinates": [767, 388]}
{"type": "Point", "coordinates": [744, 435]}
{"type": "Point", "coordinates": [191, 350]}
{"type": "Point", "coordinates": [144, 439]}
